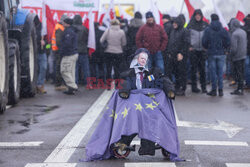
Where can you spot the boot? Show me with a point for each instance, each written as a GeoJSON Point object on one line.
{"type": "Point", "coordinates": [237, 92]}
{"type": "Point", "coordinates": [212, 93]}
{"type": "Point", "coordinates": [70, 91]}
{"type": "Point", "coordinates": [41, 90]}
{"type": "Point", "coordinates": [196, 90]}
{"type": "Point", "coordinates": [221, 92]}
{"type": "Point", "coordinates": [60, 88]}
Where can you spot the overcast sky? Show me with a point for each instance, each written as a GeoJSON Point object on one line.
{"type": "Point", "coordinates": [228, 7]}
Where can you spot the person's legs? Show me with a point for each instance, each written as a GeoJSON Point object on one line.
{"type": "Point", "coordinates": [42, 63]}
{"type": "Point", "coordinates": [85, 67]}
{"type": "Point", "coordinates": [159, 62]}
{"type": "Point", "coordinates": [59, 80]}
{"type": "Point", "coordinates": [220, 65]}
{"type": "Point", "coordinates": [109, 60]}
{"type": "Point", "coordinates": [194, 66]}
{"type": "Point", "coordinates": [239, 74]}
{"type": "Point", "coordinates": [247, 71]}
{"type": "Point", "coordinates": [202, 70]}
{"type": "Point", "coordinates": [68, 70]}
{"type": "Point", "coordinates": [212, 69]}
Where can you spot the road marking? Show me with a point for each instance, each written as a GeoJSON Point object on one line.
{"type": "Point", "coordinates": [217, 143]}
{"type": "Point", "coordinates": [68, 145]}
{"type": "Point", "coordinates": [238, 164]}
{"type": "Point", "coordinates": [150, 164]}
{"type": "Point", "coordinates": [20, 144]}
{"type": "Point", "coordinates": [230, 129]}
{"type": "Point", "coordinates": [51, 165]}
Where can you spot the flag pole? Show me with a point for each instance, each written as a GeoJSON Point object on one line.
{"type": "Point", "coordinates": [182, 6]}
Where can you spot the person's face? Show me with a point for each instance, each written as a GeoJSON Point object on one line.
{"type": "Point", "coordinates": [150, 20]}
{"type": "Point", "coordinates": [142, 59]}
{"type": "Point", "coordinates": [165, 21]}
{"type": "Point", "coordinates": [198, 17]}
{"type": "Point", "coordinates": [175, 25]}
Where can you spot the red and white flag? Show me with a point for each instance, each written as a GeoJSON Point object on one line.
{"type": "Point", "coordinates": [47, 21]}
{"type": "Point", "coordinates": [156, 12]}
{"type": "Point", "coordinates": [191, 10]}
{"type": "Point", "coordinates": [110, 14]}
{"type": "Point", "coordinates": [91, 37]}
{"type": "Point", "coordinates": [101, 15]}
{"type": "Point", "coordinates": [218, 12]}
{"type": "Point", "coordinates": [123, 14]}
{"type": "Point", "coordinates": [241, 13]}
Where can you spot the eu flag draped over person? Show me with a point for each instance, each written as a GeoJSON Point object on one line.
{"type": "Point", "coordinates": [147, 112]}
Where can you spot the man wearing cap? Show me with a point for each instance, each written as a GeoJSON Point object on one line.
{"type": "Point", "coordinates": [69, 52]}
{"type": "Point", "coordinates": [56, 44]}
{"type": "Point", "coordinates": [152, 37]}
{"type": "Point", "coordinates": [216, 40]}
{"type": "Point", "coordinates": [167, 23]}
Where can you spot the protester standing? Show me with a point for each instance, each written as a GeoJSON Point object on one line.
{"type": "Point", "coordinates": [246, 27]}
{"type": "Point", "coordinates": [216, 40]}
{"type": "Point", "coordinates": [197, 54]}
{"type": "Point", "coordinates": [69, 54]}
{"type": "Point", "coordinates": [238, 53]}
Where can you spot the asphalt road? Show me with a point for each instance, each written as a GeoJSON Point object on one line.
{"type": "Point", "coordinates": [213, 131]}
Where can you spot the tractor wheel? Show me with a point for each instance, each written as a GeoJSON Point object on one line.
{"type": "Point", "coordinates": [15, 72]}
{"type": "Point", "coordinates": [4, 65]}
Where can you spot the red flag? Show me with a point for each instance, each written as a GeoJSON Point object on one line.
{"type": "Point", "coordinates": [191, 10]}
{"type": "Point", "coordinates": [91, 37]}
{"type": "Point", "coordinates": [47, 22]}
{"type": "Point", "coordinates": [240, 15]}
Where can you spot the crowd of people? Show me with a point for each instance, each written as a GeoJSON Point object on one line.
{"type": "Point", "coordinates": [182, 52]}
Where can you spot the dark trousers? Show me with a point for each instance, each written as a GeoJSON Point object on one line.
{"type": "Point", "coordinates": [58, 59]}
{"type": "Point", "coordinates": [239, 68]}
{"type": "Point", "coordinates": [178, 70]}
{"type": "Point", "coordinates": [113, 60]}
{"type": "Point", "coordinates": [198, 63]}
{"type": "Point", "coordinates": [97, 69]}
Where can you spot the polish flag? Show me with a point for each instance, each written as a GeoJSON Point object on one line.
{"type": "Point", "coordinates": [191, 10]}
{"type": "Point", "coordinates": [218, 12]}
{"type": "Point", "coordinates": [240, 15]}
{"type": "Point", "coordinates": [48, 23]}
{"type": "Point", "coordinates": [110, 14]}
{"type": "Point", "coordinates": [123, 14]}
{"type": "Point", "coordinates": [91, 37]}
{"type": "Point", "coordinates": [156, 12]}
{"type": "Point", "coordinates": [101, 15]}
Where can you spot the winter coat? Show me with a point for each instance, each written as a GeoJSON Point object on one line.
{"type": "Point", "coordinates": [133, 28]}
{"type": "Point", "coordinates": [246, 27]}
{"type": "Point", "coordinates": [178, 40]}
{"type": "Point", "coordinates": [168, 27]}
{"type": "Point", "coordinates": [196, 31]}
{"type": "Point", "coordinates": [216, 39]}
{"type": "Point", "coordinates": [82, 34]}
{"type": "Point", "coordinates": [116, 39]}
{"type": "Point", "coordinates": [160, 81]}
{"type": "Point", "coordinates": [97, 56]}
{"type": "Point", "coordinates": [238, 41]}
{"type": "Point", "coordinates": [69, 42]}
{"type": "Point", "coordinates": [152, 37]}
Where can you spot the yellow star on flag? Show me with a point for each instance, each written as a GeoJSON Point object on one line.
{"type": "Point", "coordinates": [138, 107]}
{"type": "Point", "coordinates": [125, 112]}
{"type": "Point", "coordinates": [157, 104]}
{"type": "Point", "coordinates": [150, 106]}
{"type": "Point", "coordinates": [113, 115]}
{"type": "Point", "coordinates": [151, 96]}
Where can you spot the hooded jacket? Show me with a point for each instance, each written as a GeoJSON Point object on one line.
{"type": "Point", "coordinates": [69, 42]}
{"type": "Point", "coordinates": [196, 30]}
{"type": "Point", "coordinates": [238, 41]}
{"type": "Point", "coordinates": [216, 39]}
{"type": "Point", "coordinates": [178, 40]}
{"type": "Point", "coordinates": [82, 34]}
{"type": "Point", "coordinates": [116, 39]}
{"type": "Point", "coordinates": [246, 27]}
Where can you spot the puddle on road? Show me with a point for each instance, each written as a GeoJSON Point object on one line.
{"type": "Point", "coordinates": [31, 117]}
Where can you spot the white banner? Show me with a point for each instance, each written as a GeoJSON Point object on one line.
{"type": "Point", "coordinates": [60, 7]}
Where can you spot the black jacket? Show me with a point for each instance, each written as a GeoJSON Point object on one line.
{"type": "Point", "coordinates": [69, 42]}
{"type": "Point", "coordinates": [161, 81]}
{"type": "Point", "coordinates": [178, 40]}
{"type": "Point", "coordinates": [82, 34]}
{"type": "Point", "coordinates": [97, 56]}
{"type": "Point", "coordinates": [246, 27]}
{"type": "Point", "coordinates": [168, 27]}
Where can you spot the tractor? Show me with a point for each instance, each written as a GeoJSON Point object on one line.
{"type": "Point", "coordinates": [18, 53]}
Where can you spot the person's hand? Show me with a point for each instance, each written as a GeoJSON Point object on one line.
{"type": "Point", "coordinates": [171, 95]}
{"type": "Point", "coordinates": [42, 42]}
{"type": "Point", "coordinates": [124, 95]}
{"type": "Point", "coordinates": [191, 49]}
{"type": "Point", "coordinates": [179, 57]}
